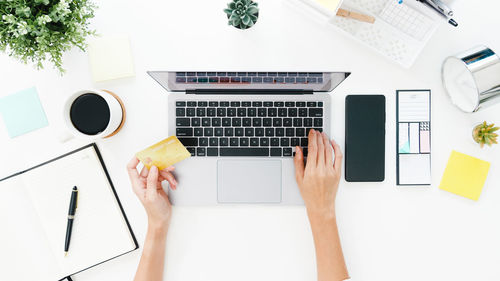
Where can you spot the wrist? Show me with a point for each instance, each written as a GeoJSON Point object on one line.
{"type": "Point", "coordinates": [158, 228]}
{"type": "Point", "coordinates": [321, 215]}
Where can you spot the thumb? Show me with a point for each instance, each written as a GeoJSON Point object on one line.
{"type": "Point", "coordinates": [152, 181]}
{"type": "Point", "coordinates": [299, 164]}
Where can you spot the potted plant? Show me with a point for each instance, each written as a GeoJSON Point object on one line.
{"type": "Point", "coordinates": [242, 14]}
{"type": "Point", "coordinates": [484, 133]}
{"type": "Point", "coordinates": [37, 31]}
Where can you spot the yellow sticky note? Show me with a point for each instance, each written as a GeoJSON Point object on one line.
{"type": "Point", "coordinates": [331, 5]}
{"type": "Point", "coordinates": [110, 58]}
{"type": "Point", "coordinates": [163, 154]}
{"type": "Point", "coordinates": [465, 175]}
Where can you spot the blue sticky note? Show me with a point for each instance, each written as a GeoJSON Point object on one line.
{"type": "Point", "coordinates": [22, 112]}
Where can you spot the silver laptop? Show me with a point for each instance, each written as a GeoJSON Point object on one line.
{"type": "Point", "coordinates": [241, 129]}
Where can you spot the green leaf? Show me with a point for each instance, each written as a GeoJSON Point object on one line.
{"type": "Point", "coordinates": [232, 5]}
{"type": "Point", "coordinates": [246, 19]}
{"type": "Point", "coordinates": [252, 10]}
{"type": "Point", "coordinates": [228, 11]}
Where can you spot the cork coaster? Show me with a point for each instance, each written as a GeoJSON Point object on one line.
{"type": "Point", "coordinates": [124, 114]}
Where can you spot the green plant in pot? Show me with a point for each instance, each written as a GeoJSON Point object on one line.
{"type": "Point", "coordinates": [242, 14]}
{"type": "Point", "coordinates": [36, 31]}
{"type": "Point", "coordinates": [484, 133]}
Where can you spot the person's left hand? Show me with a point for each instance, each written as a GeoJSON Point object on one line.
{"type": "Point", "coordinates": [147, 187]}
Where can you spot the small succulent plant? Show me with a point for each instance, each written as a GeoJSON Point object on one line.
{"type": "Point", "coordinates": [485, 134]}
{"type": "Point", "coordinates": [242, 13]}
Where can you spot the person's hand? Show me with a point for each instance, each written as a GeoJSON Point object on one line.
{"type": "Point", "coordinates": [147, 187]}
{"type": "Point", "coordinates": [319, 180]}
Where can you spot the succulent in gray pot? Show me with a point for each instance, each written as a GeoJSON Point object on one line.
{"type": "Point", "coordinates": [242, 14]}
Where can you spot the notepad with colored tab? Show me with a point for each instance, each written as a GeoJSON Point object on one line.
{"type": "Point", "coordinates": [465, 175]}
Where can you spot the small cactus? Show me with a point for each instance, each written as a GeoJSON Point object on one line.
{"type": "Point", "coordinates": [484, 134]}
{"type": "Point", "coordinates": [242, 13]}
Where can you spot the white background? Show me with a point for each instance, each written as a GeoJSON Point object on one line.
{"type": "Point", "coordinates": [387, 232]}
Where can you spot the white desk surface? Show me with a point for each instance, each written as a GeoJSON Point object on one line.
{"type": "Point", "coordinates": [388, 232]}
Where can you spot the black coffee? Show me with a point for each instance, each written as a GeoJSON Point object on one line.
{"type": "Point", "coordinates": [90, 114]}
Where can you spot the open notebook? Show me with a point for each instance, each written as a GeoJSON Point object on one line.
{"type": "Point", "coordinates": [33, 217]}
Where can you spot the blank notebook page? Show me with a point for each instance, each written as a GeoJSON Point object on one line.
{"type": "Point", "coordinates": [100, 231]}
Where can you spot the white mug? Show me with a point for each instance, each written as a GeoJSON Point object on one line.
{"type": "Point", "coordinates": [116, 115]}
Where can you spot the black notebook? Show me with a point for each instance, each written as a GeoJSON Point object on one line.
{"type": "Point", "coordinates": [33, 216]}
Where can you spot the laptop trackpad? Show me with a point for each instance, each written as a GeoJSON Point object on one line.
{"type": "Point", "coordinates": [249, 181]}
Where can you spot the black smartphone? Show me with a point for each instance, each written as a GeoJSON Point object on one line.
{"type": "Point", "coordinates": [365, 138]}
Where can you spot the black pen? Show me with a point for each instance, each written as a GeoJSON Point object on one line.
{"type": "Point", "coordinates": [442, 9]}
{"type": "Point", "coordinates": [71, 216]}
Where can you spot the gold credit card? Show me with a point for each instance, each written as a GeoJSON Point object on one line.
{"type": "Point", "coordinates": [163, 154]}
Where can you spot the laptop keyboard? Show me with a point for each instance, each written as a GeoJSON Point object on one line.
{"type": "Point", "coordinates": [249, 77]}
{"type": "Point", "coordinates": [246, 128]}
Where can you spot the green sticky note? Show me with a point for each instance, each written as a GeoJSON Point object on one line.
{"type": "Point", "coordinates": [22, 112]}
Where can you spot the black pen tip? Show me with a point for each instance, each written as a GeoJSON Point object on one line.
{"type": "Point", "coordinates": [453, 22]}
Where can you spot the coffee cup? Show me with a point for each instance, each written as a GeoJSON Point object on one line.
{"type": "Point", "coordinates": [93, 114]}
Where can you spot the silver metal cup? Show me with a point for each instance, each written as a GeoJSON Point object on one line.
{"type": "Point", "coordinates": [472, 78]}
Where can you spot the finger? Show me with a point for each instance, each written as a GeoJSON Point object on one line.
{"type": "Point", "coordinates": [312, 153]}
{"type": "Point", "coordinates": [170, 178]}
{"type": "Point", "coordinates": [144, 172]}
{"type": "Point", "coordinates": [328, 152]}
{"type": "Point", "coordinates": [338, 157]}
{"type": "Point", "coordinates": [132, 172]}
{"type": "Point", "coordinates": [299, 164]}
{"type": "Point", "coordinates": [152, 182]}
{"type": "Point", "coordinates": [164, 195]}
{"type": "Point", "coordinates": [169, 169]}
{"type": "Point", "coordinates": [321, 149]}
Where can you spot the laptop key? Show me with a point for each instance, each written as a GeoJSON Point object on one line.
{"type": "Point", "coordinates": [318, 122]}
{"type": "Point", "coordinates": [268, 103]}
{"type": "Point", "coordinates": [290, 132]}
{"type": "Point", "coordinates": [189, 141]}
{"type": "Point", "coordinates": [280, 132]}
{"type": "Point", "coordinates": [247, 151]}
{"type": "Point", "coordinates": [231, 112]}
{"type": "Point", "coordinates": [259, 132]}
{"type": "Point", "coordinates": [226, 122]}
{"type": "Point", "coordinates": [218, 132]}
{"type": "Point", "coordinates": [200, 112]}
{"type": "Point", "coordinates": [297, 122]}
{"type": "Point", "coordinates": [292, 112]}
{"type": "Point", "coordinates": [294, 141]}
{"type": "Point", "coordinates": [285, 142]}
{"type": "Point", "coordinates": [275, 142]}
{"type": "Point", "coordinates": [233, 141]}
{"type": "Point", "coordinates": [300, 132]}
{"type": "Point", "coordinates": [184, 132]}
{"type": "Point", "coordinates": [262, 112]}
{"type": "Point", "coordinates": [214, 142]}
{"type": "Point", "coordinates": [277, 122]}
{"type": "Point", "coordinates": [311, 104]}
{"type": "Point", "coordinates": [191, 103]}
{"type": "Point", "coordinates": [211, 111]}
{"type": "Point", "coordinates": [205, 122]}
{"type": "Point", "coordinates": [257, 104]}
{"type": "Point", "coordinates": [213, 103]}
{"type": "Point", "coordinates": [320, 104]}
{"type": "Point", "coordinates": [300, 104]}
{"type": "Point", "coordinates": [223, 141]}
{"type": "Point", "coordinates": [246, 103]}
{"type": "Point", "coordinates": [221, 112]}
{"type": "Point", "coordinates": [228, 132]}
{"type": "Point", "coordinates": [256, 122]}
{"type": "Point", "coordinates": [203, 141]}
{"type": "Point", "coordinates": [269, 132]}
{"type": "Point", "coordinates": [224, 103]}
{"type": "Point", "coordinates": [252, 112]}
{"type": "Point", "coordinates": [216, 122]}
{"type": "Point", "coordinates": [249, 132]}
{"type": "Point", "coordinates": [182, 122]}
{"type": "Point", "coordinates": [272, 112]}
{"type": "Point", "coordinates": [212, 151]}
{"type": "Point", "coordinates": [236, 122]}
{"type": "Point", "coordinates": [191, 150]}
{"type": "Point", "coordinates": [180, 103]}
{"type": "Point", "coordinates": [289, 103]}
{"type": "Point", "coordinates": [209, 132]}
{"type": "Point", "coordinates": [239, 132]}
{"type": "Point", "coordinates": [315, 112]}
{"type": "Point", "coordinates": [308, 122]}
{"type": "Point", "coordinates": [190, 111]}
{"type": "Point", "coordinates": [287, 151]}
{"type": "Point", "coordinates": [195, 122]}
{"type": "Point", "coordinates": [264, 141]}
{"type": "Point", "coordinates": [254, 141]}
{"type": "Point", "coordinates": [200, 151]}
{"type": "Point", "coordinates": [287, 122]}
{"type": "Point", "coordinates": [279, 104]}
{"type": "Point", "coordinates": [256, 80]}
{"type": "Point", "coordinates": [244, 141]}
{"type": "Point", "coordinates": [282, 112]}
{"type": "Point", "coordinates": [198, 132]}
{"type": "Point", "coordinates": [202, 104]}
{"type": "Point", "coordinates": [235, 104]}
{"type": "Point", "coordinates": [180, 112]}
{"type": "Point", "coordinates": [267, 122]}
{"type": "Point", "coordinates": [247, 122]}
{"type": "Point", "coordinates": [275, 151]}
{"type": "Point", "coordinates": [303, 142]}
{"type": "Point", "coordinates": [242, 112]}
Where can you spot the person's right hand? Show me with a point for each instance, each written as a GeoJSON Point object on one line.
{"type": "Point", "coordinates": [147, 187]}
{"type": "Point", "coordinates": [319, 180]}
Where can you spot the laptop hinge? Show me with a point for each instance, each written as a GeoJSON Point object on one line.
{"type": "Point", "coordinates": [248, 92]}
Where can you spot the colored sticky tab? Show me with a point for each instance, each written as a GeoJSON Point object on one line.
{"type": "Point", "coordinates": [465, 175]}
{"type": "Point", "coordinates": [331, 5]}
{"type": "Point", "coordinates": [22, 112]}
{"type": "Point", "coordinates": [110, 58]}
{"type": "Point", "coordinates": [164, 154]}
